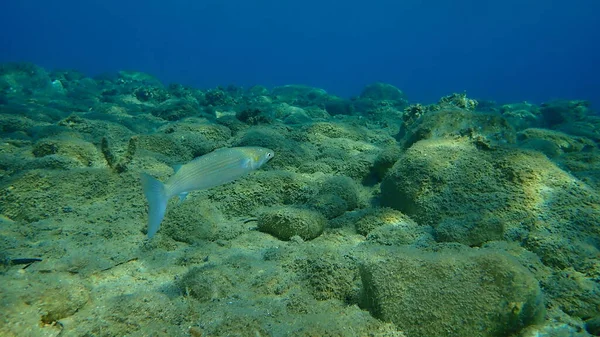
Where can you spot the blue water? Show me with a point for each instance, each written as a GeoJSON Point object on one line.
{"type": "Point", "coordinates": [509, 50]}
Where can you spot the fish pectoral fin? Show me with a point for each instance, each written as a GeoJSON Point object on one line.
{"type": "Point", "coordinates": [182, 196]}
{"type": "Point", "coordinates": [247, 163]}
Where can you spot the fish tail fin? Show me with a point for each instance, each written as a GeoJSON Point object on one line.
{"type": "Point", "coordinates": [154, 191]}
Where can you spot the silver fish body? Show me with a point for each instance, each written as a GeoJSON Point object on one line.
{"type": "Point", "coordinates": [216, 168]}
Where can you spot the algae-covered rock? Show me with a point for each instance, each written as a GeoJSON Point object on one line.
{"type": "Point", "coordinates": [331, 275]}
{"type": "Point", "coordinates": [258, 190]}
{"type": "Point", "coordinates": [383, 112]}
{"type": "Point", "coordinates": [345, 148]}
{"type": "Point", "coordinates": [16, 126]}
{"type": "Point", "coordinates": [385, 160]}
{"type": "Point", "coordinates": [176, 109]}
{"type": "Point", "coordinates": [25, 197]}
{"type": "Point", "coordinates": [137, 77]}
{"type": "Point", "coordinates": [290, 153]}
{"type": "Point", "coordinates": [583, 165]}
{"type": "Point", "coordinates": [336, 196]}
{"type": "Point", "coordinates": [96, 126]}
{"type": "Point", "coordinates": [255, 115]}
{"type": "Point", "coordinates": [339, 107]}
{"type": "Point", "coordinates": [299, 95]}
{"type": "Point", "coordinates": [592, 325]}
{"type": "Point", "coordinates": [131, 314]}
{"type": "Point", "coordinates": [55, 162]}
{"type": "Point", "coordinates": [449, 184]}
{"type": "Point", "coordinates": [166, 147]}
{"type": "Point", "coordinates": [387, 226]}
{"type": "Point", "coordinates": [206, 283]}
{"type": "Point", "coordinates": [453, 292]}
{"type": "Point", "coordinates": [574, 293]}
{"type": "Point", "coordinates": [80, 151]}
{"type": "Point", "coordinates": [223, 96]}
{"type": "Point", "coordinates": [377, 217]}
{"type": "Point", "coordinates": [458, 100]}
{"type": "Point", "coordinates": [407, 233]}
{"type": "Point", "coordinates": [63, 300]}
{"type": "Point", "coordinates": [521, 115]}
{"type": "Point", "coordinates": [332, 130]}
{"type": "Point", "coordinates": [197, 137]}
{"type": "Point", "coordinates": [292, 115]}
{"type": "Point", "coordinates": [454, 122]}
{"type": "Point", "coordinates": [56, 296]}
{"type": "Point", "coordinates": [472, 196]}
{"type": "Point", "coordinates": [563, 111]}
{"type": "Point", "coordinates": [286, 222]}
{"type": "Point", "coordinates": [194, 220]}
{"type": "Point", "coordinates": [588, 128]}
{"type": "Point", "coordinates": [382, 91]}
{"type": "Point", "coordinates": [562, 236]}
{"type": "Point", "coordinates": [553, 143]}
{"type": "Point", "coordinates": [23, 80]}
{"type": "Point", "coordinates": [151, 94]}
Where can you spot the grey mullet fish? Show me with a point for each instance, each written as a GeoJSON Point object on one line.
{"type": "Point", "coordinates": [216, 168]}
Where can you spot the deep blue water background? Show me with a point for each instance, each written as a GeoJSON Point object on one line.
{"type": "Point", "coordinates": [508, 50]}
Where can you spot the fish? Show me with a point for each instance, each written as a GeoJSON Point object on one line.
{"type": "Point", "coordinates": [213, 169]}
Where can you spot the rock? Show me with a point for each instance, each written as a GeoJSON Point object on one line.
{"type": "Point", "coordinates": [339, 107]}
{"type": "Point", "coordinates": [62, 299]}
{"type": "Point", "coordinates": [286, 222]}
{"type": "Point", "coordinates": [458, 100]}
{"type": "Point", "coordinates": [521, 115]}
{"type": "Point", "coordinates": [553, 143]}
{"type": "Point", "coordinates": [374, 218]}
{"type": "Point", "coordinates": [331, 275]}
{"type": "Point", "coordinates": [404, 233]}
{"type": "Point", "coordinates": [386, 160]}
{"type": "Point", "coordinates": [453, 292]}
{"type": "Point", "coordinates": [12, 125]}
{"type": "Point", "coordinates": [381, 92]}
{"type": "Point", "coordinates": [176, 109]}
{"type": "Point", "coordinates": [562, 111]}
{"type": "Point", "coordinates": [255, 115]}
{"type": "Point", "coordinates": [337, 195]}
{"type": "Point", "coordinates": [447, 189]}
{"type": "Point", "coordinates": [18, 80]}
{"type": "Point", "coordinates": [299, 95]}
{"type": "Point", "coordinates": [574, 293]}
{"type": "Point", "coordinates": [206, 283]}
{"type": "Point", "coordinates": [138, 78]}
{"type": "Point", "coordinates": [592, 325]}
{"type": "Point", "coordinates": [75, 150]}
{"type": "Point", "coordinates": [452, 122]}
{"type": "Point", "coordinates": [472, 196]}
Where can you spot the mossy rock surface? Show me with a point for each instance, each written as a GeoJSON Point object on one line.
{"type": "Point", "coordinates": [85, 154]}
{"type": "Point", "coordinates": [337, 195]}
{"type": "Point", "coordinates": [206, 283]}
{"type": "Point", "coordinates": [287, 222]}
{"type": "Point", "coordinates": [457, 292]}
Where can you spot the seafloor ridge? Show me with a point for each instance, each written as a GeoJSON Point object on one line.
{"type": "Point", "coordinates": [375, 218]}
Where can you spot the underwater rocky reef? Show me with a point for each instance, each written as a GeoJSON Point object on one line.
{"type": "Point", "coordinates": [376, 217]}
